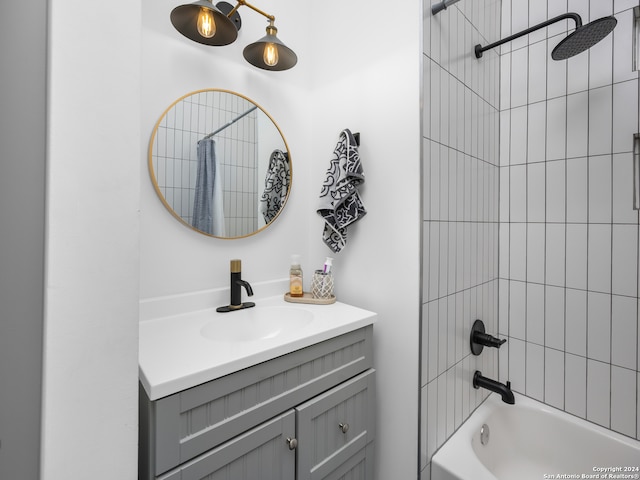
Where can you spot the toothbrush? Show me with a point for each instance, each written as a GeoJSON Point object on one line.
{"type": "Point", "coordinates": [327, 265]}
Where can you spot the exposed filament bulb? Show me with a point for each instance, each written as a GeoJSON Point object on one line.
{"type": "Point", "coordinates": [270, 55]}
{"type": "Point", "coordinates": [206, 25]}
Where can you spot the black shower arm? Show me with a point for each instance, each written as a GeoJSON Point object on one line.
{"type": "Point", "coordinates": [565, 16]}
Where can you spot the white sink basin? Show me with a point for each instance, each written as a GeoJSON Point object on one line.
{"type": "Point", "coordinates": [257, 323]}
{"type": "Point", "coordinates": [182, 350]}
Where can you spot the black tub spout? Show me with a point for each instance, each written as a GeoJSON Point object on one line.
{"type": "Point", "coordinates": [504, 390]}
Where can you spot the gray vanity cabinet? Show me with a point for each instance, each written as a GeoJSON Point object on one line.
{"type": "Point", "coordinates": [308, 414]}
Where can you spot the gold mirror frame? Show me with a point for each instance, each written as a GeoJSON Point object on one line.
{"type": "Point", "coordinates": [234, 102]}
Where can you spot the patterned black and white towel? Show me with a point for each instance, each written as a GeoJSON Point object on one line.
{"type": "Point", "coordinates": [276, 185]}
{"type": "Point", "coordinates": [340, 203]}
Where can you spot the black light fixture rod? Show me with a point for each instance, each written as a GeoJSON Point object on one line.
{"type": "Point", "coordinates": [565, 16]}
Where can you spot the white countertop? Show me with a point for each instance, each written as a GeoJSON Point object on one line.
{"type": "Point", "coordinates": [174, 355]}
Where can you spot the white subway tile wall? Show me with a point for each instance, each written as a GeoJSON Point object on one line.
{"type": "Point", "coordinates": [569, 294]}
{"type": "Point", "coordinates": [528, 221]}
{"type": "Point", "coordinates": [461, 152]}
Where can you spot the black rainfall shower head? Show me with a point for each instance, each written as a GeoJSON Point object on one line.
{"type": "Point", "coordinates": [583, 38]}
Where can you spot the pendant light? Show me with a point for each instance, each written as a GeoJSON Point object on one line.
{"type": "Point", "coordinates": [204, 23]}
{"type": "Point", "coordinates": [269, 53]}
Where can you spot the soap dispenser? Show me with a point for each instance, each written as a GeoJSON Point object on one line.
{"type": "Point", "coordinates": [295, 277]}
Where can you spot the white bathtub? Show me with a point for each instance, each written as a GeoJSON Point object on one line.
{"type": "Point", "coordinates": [532, 441]}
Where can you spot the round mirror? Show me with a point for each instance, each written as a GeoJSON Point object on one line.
{"type": "Point", "coordinates": [220, 164]}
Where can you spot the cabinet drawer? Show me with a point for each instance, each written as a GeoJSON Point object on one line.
{"type": "Point", "coordinates": [335, 428]}
{"type": "Point", "coordinates": [189, 423]}
{"type": "Point", "coordinates": [262, 453]}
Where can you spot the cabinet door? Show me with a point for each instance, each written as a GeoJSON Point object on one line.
{"type": "Point", "coordinates": [259, 454]}
{"type": "Point", "coordinates": [335, 429]}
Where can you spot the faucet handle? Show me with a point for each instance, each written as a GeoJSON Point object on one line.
{"type": "Point", "coordinates": [235, 265]}
{"type": "Point", "coordinates": [479, 339]}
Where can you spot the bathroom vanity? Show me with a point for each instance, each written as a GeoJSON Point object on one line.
{"type": "Point", "coordinates": [302, 406]}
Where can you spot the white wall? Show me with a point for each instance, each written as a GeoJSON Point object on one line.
{"type": "Point", "coordinates": [569, 236]}
{"type": "Point", "coordinates": [92, 269]}
{"type": "Point", "coordinates": [368, 81]}
{"type": "Point", "coordinates": [341, 81]}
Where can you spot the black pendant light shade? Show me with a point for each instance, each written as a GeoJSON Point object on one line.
{"type": "Point", "coordinates": [255, 53]}
{"type": "Point", "coordinates": [184, 19]}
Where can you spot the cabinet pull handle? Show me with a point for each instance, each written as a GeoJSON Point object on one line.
{"type": "Point", "coordinates": [292, 442]}
{"type": "Point", "coordinates": [636, 171]}
{"type": "Point", "coordinates": [344, 427]}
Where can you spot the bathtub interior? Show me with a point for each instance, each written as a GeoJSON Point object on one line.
{"type": "Point", "coordinates": [531, 440]}
{"type": "Point", "coordinates": [542, 440]}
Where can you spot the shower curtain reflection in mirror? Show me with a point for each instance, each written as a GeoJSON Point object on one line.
{"type": "Point", "coordinates": [208, 209]}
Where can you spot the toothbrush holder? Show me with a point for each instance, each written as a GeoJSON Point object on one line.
{"type": "Point", "coordinates": [322, 284]}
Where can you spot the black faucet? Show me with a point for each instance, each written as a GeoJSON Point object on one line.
{"type": "Point", "coordinates": [504, 390]}
{"type": "Point", "coordinates": [479, 339]}
{"type": "Point", "coordinates": [236, 289]}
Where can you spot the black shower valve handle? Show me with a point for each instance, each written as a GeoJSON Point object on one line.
{"type": "Point", "coordinates": [479, 339]}
{"type": "Point", "coordinates": [487, 340]}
